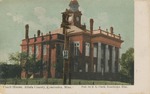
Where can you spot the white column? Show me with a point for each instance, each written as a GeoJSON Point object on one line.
{"type": "Point", "coordinates": [106, 58]}
{"type": "Point", "coordinates": [86, 67]}
{"type": "Point", "coordinates": [94, 68]}
{"type": "Point", "coordinates": [99, 58]}
{"type": "Point", "coordinates": [113, 59]}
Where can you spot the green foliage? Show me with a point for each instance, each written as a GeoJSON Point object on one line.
{"type": "Point", "coordinates": [3, 63]}
{"type": "Point", "coordinates": [37, 66]}
{"type": "Point", "coordinates": [10, 71]}
{"type": "Point", "coordinates": [17, 57]}
{"type": "Point", "coordinates": [28, 62]}
{"type": "Point", "coordinates": [127, 65]}
{"type": "Point", "coordinates": [32, 65]}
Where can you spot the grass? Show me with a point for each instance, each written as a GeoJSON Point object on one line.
{"type": "Point", "coordinates": [51, 81]}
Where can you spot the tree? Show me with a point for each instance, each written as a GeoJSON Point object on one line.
{"type": "Point", "coordinates": [17, 57]}
{"type": "Point", "coordinates": [27, 62]}
{"type": "Point", "coordinates": [31, 66]}
{"type": "Point", "coordinates": [127, 65]}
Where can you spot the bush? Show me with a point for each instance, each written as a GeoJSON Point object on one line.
{"type": "Point", "coordinates": [10, 71]}
{"type": "Point", "coordinates": [127, 66]}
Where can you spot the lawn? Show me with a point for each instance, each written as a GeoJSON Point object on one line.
{"type": "Point", "coordinates": [51, 81]}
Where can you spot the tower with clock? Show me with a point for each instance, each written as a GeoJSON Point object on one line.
{"type": "Point", "coordinates": [72, 16]}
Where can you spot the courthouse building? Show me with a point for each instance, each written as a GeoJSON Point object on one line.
{"type": "Point", "coordinates": [93, 54]}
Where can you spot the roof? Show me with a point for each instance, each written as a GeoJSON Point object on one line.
{"type": "Point", "coordinates": [73, 29]}
{"type": "Point", "coordinates": [106, 33]}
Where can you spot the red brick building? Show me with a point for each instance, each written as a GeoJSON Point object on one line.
{"type": "Point", "coordinates": [92, 52]}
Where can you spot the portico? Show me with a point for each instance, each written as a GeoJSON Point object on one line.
{"type": "Point", "coordinates": [105, 57]}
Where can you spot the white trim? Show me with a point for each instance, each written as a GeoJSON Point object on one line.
{"type": "Point", "coordinates": [95, 51]}
{"type": "Point", "coordinates": [99, 58]}
{"type": "Point", "coordinates": [106, 58]}
{"type": "Point", "coordinates": [113, 59]}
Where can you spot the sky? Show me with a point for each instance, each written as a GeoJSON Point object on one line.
{"type": "Point", "coordinates": [45, 15]}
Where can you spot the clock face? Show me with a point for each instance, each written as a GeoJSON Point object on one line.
{"type": "Point", "coordinates": [70, 19]}
{"type": "Point", "coordinates": [77, 18]}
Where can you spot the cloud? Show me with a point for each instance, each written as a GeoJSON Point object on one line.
{"type": "Point", "coordinates": [33, 26]}
{"type": "Point", "coordinates": [19, 19]}
{"type": "Point", "coordinates": [102, 20]}
{"type": "Point", "coordinates": [16, 18]}
{"type": "Point", "coordinates": [43, 22]}
{"type": "Point", "coordinates": [103, 17]}
{"type": "Point", "coordinates": [8, 14]}
{"type": "Point", "coordinates": [39, 11]}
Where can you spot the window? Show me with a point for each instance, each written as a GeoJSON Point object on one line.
{"type": "Point", "coordinates": [76, 48]}
{"type": "Point", "coordinates": [36, 51]}
{"type": "Point", "coordinates": [44, 49]}
{"type": "Point", "coordinates": [95, 51]}
{"type": "Point", "coordinates": [65, 54]}
{"type": "Point", "coordinates": [87, 49]}
{"type": "Point", "coordinates": [30, 50]}
{"type": "Point", "coordinates": [86, 67]}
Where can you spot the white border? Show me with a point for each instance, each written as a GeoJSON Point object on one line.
{"type": "Point", "coordinates": [142, 62]}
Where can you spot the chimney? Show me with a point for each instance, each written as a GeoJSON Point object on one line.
{"type": "Point", "coordinates": [111, 30]}
{"type": "Point", "coordinates": [42, 36]}
{"type": "Point", "coordinates": [26, 31]}
{"type": "Point", "coordinates": [50, 35]}
{"type": "Point", "coordinates": [99, 28]}
{"type": "Point", "coordinates": [91, 25]}
{"type": "Point", "coordinates": [106, 30]}
{"type": "Point", "coordinates": [34, 37]}
{"type": "Point", "coordinates": [38, 33]}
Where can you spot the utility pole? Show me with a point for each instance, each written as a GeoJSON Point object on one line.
{"type": "Point", "coordinates": [27, 40]}
{"type": "Point", "coordinates": [49, 55]}
{"type": "Point", "coordinates": [64, 59]}
{"type": "Point", "coordinates": [69, 63]}
{"type": "Point", "coordinates": [65, 54]}
{"type": "Point", "coordinates": [69, 57]}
